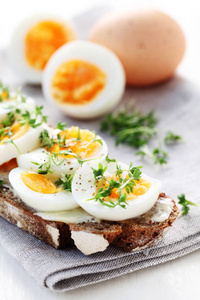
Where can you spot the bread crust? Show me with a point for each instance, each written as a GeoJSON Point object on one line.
{"type": "Point", "coordinates": [131, 234]}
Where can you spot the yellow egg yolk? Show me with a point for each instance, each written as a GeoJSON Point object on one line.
{"type": "Point", "coordinates": [43, 40]}
{"type": "Point", "coordinates": [17, 131]}
{"type": "Point", "coordinates": [4, 96]}
{"type": "Point", "coordinates": [77, 82]}
{"type": "Point", "coordinates": [140, 188]}
{"type": "Point", "coordinates": [38, 183]}
{"type": "Point", "coordinates": [81, 146]}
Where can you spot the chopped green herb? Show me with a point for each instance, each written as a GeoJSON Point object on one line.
{"type": "Point", "coordinates": [9, 120]}
{"type": "Point", "coordinates": [158, 155]}
{"type": "Point", "coordinates": [65, 181]}
{"type": "Point", "coordinates": [130, 126]}
{"type": "Point", "coordinates": [2, 182]}
{"type": "Point", "coordinates": [45, 168]}
{"type": "Point", "coordinates": [13, 143]}
{"type": "Point", "coordinates": [172, 138]}
{"type": "Point", "coordinates": [127, 183]}
{"type": "Point", "coordinates": [109, 160]}
{"type": "Point", "coordinates": [61, 126]}
{"type": "Point", "coordinates": [98, 174]}
{"type": "Point", "coordinates": [185, 204]}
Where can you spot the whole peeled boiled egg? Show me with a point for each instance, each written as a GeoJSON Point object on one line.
{"type": "Point", "coordinates": [149, 43]}
{"type": "Point", "coordinates": [34, 41]}
{"type": "Point", "coordinates": [84, 79]}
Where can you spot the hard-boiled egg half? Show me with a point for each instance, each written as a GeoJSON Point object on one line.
{"type": "Point", "coordinates": [84, 79]}
{"type": "Point", "coordinates": [63, 151]}
{"type": "Point", "coordinates": [19, 133]}
{"type": "Point", "coordinates": [34, 41]}
{"type": "Point", "coordinates": [13, 101]}
{"type": "Point", "coordinates": [113, 190]}
{"type": "Point", "coordinates": [39, 192]}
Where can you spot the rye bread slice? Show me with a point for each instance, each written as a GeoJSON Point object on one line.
{"type": "Point", "coordinates": [131, 234]}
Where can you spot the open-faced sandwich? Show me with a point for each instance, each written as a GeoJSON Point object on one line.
{"type": "Point", "coordinates": [64, 189]}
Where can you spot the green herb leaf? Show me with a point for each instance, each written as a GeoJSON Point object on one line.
{"type": "Point", "coordinates": [158, 155]}
{"type": "Point", "coordinates": [98, 174]}
{"type": "Point", "coordinates": [109, 160]}
{"type": "Point", "coordinates": [172, 138]}
{"type": "Point", "coordinates": [61, 126]}
{"type": "Point", "coordinates": [2, 182]}
{"type": "Point", "coordinates": [127, 183]}
{"type": "Point", "coordinates": [185, 204]}
{"type": "Point", "coordinates": [130, 126]}
{"type": "Point", "coordinates": [65, 181]}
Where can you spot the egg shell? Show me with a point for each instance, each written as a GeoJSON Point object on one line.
{"type": "Point", "coordinates": [149, 43]}
{"type": "Point", "coordinates": [16, 48]}
{"type": "Point", "coordinates": [101, 57]}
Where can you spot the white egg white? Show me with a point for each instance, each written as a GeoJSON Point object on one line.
{"type": "Point", "coordinates": [84, 188]}
{"type": "Point", "coordinates": [68, 166]}
{"type": "Point", "coordinates": [16, 49]}
{"type": "Point", "coordinates": [103, 58]}
{"type": "Point", "coordinates": [25, 143]}
{"type": "Point", "coordinates": [42, 202]}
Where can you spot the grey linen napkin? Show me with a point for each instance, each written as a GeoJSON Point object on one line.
{"type": "Point", "coordinates": [177, 105]}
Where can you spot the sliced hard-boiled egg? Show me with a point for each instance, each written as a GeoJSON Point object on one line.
{"type": "Point", "coordinates": [24, 138]}
{"type": "Point", "coordinates": [39, 192]}
{"type": "Point", "coordinates": [116, 196]}
{"type": "Point", "coordinates": [15, 103]}
{"type": "Point", "coordinates": [84, 79]}
{"type": "Point", "coordinates": [34, 41]}
{"type": "Point", "coordinates": [65, 152]}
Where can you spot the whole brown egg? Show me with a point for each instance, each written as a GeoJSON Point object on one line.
{"type": "Point", "coordinates": [149, 43]}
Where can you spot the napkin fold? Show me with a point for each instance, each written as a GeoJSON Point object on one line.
{"type": "Point", "coordinates": [62, 270]}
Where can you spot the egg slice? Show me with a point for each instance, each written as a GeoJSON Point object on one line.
{"type": "Point", "coordinates": [85, 147]}
{"type": "Point", "coordinates": [84, 79]}
{"type": "Point", "coordinates": [16, 102]}
{"type": "Point", "coordinates": [39, 192]}
{"type": "Point", "coordinates": [24, 139]}
{"type": "Point", "coordinates": [34, 41]}
{"type": "Point", "coordinates": [84, 188]}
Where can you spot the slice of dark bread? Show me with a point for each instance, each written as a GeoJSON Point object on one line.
{"type": "Point", "coordinates": [129, 234]}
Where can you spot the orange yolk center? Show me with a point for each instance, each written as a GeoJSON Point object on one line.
{"type": "Point", "coordinates": [17, 131]}
{"type": "Point", "coordinates": [4, 95]}
{"type": "Point", "coordinates": [82, 147]}
{"type": "Point", "coordinates": [43, 40]}
{"type": "Point", "coordinates": [77, 82]}
{"type": "Point", "coordinates": [38, 183]}
{"type": "Point", "coordinates": [140, 188]}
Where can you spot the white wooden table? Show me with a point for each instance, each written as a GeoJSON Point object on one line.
{"type": "Point", "coordinates": [179, 279]}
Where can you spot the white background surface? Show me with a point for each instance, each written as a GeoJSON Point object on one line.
{"type": "Point", "coordinates": [179, 279]}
